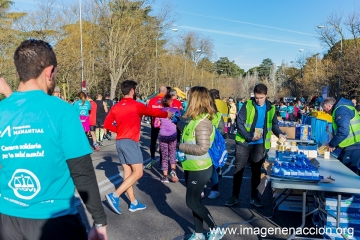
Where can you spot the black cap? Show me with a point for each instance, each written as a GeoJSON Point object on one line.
{"type": "Point", "coordinates": [107, 94]}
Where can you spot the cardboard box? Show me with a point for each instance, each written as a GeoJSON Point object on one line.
{"type": "Point", "coordinates": [289, 131]}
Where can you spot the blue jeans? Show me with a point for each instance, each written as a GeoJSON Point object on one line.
{"type": "Point", "coordinates": [351, 159]}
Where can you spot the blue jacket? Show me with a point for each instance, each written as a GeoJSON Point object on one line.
{"type": "Point", "coordinates": [343, 115]}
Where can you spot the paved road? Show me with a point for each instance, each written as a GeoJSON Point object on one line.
{"type": "Point", "coordinates": [166, 216]}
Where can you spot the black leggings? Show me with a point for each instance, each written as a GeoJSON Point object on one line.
{"type": "Point", "coordinates": [195, 182]}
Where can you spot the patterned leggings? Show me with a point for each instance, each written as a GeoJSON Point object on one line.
{"type": "Point", "coordinates": [168, 150]}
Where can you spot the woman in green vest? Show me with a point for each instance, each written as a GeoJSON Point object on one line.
{"type": "Point", "coordinates": [197, 137]}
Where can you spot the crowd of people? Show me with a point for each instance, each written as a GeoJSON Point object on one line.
{"type": "Point", "coordinates": [36, 116]}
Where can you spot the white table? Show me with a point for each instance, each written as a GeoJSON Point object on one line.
{"type": "Point", "coordinates": [346, 181]}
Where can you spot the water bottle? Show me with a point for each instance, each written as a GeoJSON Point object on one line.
{"type": "Point", "coordinates": [308, 172]}
{"type": "Point", "coordinates": [315, 173]}
{"type": "Point", "coordinates": [276, 168]}
{"type": "Point", "coordinates": [284, 170]}
{"type": "Point", "coordinates": [293, 170]}
{"type": "Point", "coordinates": [180, 156]}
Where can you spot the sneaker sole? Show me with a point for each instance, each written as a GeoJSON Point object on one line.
{"type": "Point", "coordinates": [138, 209]}
{"type": "Point", "coordinates": [111, 205]}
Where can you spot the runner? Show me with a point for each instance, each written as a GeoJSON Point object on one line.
{"type": "Point", "coordinates": [109, 104]}
{"type": "Point", "coordinates": [197, 139]}
{"type": "Point", "coordinates": [127, 115]}
{"type": "Point", "coordinates": [38, 184]}
{"type": "Point", "coordinates": [83, 107]}
{"type": "Point", "coordinates": [92, 121]}
{"type": "Point", "coordinates": [101, 112]}
{"type": "Point", "coordinates": [155, 102]}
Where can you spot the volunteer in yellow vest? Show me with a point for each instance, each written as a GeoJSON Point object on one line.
{"type": "Point", "coordinates": [197, 137]}
{"type": "Point", "coordinates": [346, 130]}
{"type": "Point", "coordinates": [221, 107]}
{"type": "Point", "coordinates": [256, 121]}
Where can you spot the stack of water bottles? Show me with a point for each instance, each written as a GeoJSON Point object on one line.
{"type": "Point", "coordinates": [292, 165]}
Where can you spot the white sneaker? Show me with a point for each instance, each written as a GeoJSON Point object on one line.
{"type": "Point", "coordinates": [214, 194]}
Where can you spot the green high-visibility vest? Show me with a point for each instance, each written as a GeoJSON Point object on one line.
{"type": "Point", "coordinates": [250, 114]}
{"type": "Point", "coordinates": [192, 162]}
{"type": "Point", "coordinates": [216, 119]}
{"type": "Point", "coordinates": [354, 133]}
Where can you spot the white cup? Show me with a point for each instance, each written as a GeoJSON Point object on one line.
{"type": "Point", "coordinates": [326, 155]}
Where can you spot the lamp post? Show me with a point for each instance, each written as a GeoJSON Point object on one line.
{"type": "Point", "coordinates": [340, 68]}
{"type": "Point", "coordinates": [156, 52]}
{"type": "Point", "coordinates": [81, 48]}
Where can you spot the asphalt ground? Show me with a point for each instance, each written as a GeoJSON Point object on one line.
{"type": "Point", "coordinates": [167, 216]}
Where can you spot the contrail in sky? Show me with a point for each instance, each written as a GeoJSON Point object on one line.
{"type": "Point", "coordinates": [253, 24]}
{"type": "Point", "coordinates": [246, 36]}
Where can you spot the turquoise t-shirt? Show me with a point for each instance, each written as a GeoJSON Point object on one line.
{"type": "Point", "coordinates": [283, 110]}
{"type": "Point", "coordinates": [83, 110]}
{"type": "Point", "coordinates": [290, 109]}
{"type": "Point", "coordinates": [38, 133]}
{"type": "Point", "coordinates": [261, 111]}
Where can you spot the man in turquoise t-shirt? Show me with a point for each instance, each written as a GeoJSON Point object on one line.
{"type": "Point", "coordinates": [39, 164]}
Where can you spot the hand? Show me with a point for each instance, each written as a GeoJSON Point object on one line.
{"type": "Point", "coordinates": [330, 148]}
{"type": "Point", "coordinates": [170, 114]}
{"type": "Point", "coordinates": [282, 136]}
{"type": "Point", "coordinates": [257, 137]}
{"type": "Point", "coordinates": [97, 233]}
{"type": "Point", "coordinates": [5, 88]}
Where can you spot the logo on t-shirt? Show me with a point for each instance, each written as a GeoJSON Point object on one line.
{"type": "Point", "coordinates": [25, 184]}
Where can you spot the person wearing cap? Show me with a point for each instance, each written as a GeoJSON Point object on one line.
{"type": "Point", "coordinates": [346, 131]}
{"type": "Point", "coordinates": [109, 104]}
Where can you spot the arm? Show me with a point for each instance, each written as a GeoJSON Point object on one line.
{"type": "Point", "coordinates": [108, 123]}
{"type": "Point", "coordinates": [240, 122]}
{"type": "Point", "coordinates": [203, 132]}
{"type": "Point", "coordinates": [83, 175]}
{"type": "Point", "coordinates": [152, 112]}
{"type": "Point", "coordinates": [105, 106]}
{"type": "Point", "coordinates": [275, 127]}
{"type": "Point", "coordinates": [343, 115]}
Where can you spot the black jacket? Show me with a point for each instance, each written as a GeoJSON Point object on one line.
{"type": "Point", "coordinates": [241, 120]}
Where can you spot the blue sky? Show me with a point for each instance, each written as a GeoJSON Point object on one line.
{"type": "Point", "coordinates": [248, 31]}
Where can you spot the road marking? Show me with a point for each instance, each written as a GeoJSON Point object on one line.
{"type": "Point", "coordinates": [230, 166]}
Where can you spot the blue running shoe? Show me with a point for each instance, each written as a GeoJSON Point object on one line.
{"type": "Point", "coordinates": [113, 202]}
{"type": "Point", "coordinates": [139, 206]}
{"type": "Point", "coordinates": [194, 237]}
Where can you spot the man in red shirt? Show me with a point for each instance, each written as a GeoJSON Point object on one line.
{"type": "Point", "coordinates": [127, 116]}
{"type": "Point", "coordinates": [155, 102]}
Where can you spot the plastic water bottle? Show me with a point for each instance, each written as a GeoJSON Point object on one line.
{"type": "Point", "coordinates": [276, 169]}
{"type": "Point", "coordinates": [180, 156]}
{"type": "Point", "coordinates": [315, 173]}
{"type": "Point", "coordinates": [308, 172]}
{"type": "Point", "coordinates": [293, 170]}
{"type": "Point", "coordinates": [284, 170]}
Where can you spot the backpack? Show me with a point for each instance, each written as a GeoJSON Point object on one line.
{"type": "Point", "coordinates": [217, 151]}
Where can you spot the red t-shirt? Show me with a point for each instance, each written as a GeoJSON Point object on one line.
{"type": "Point", "coordinates": [177, 104]}
{"type": "Point", "coordinates": [155, 102]}
{"type": "Point", "coordinates": [92, 115]}
{"type": "Point", "coordinates": [127, 114]}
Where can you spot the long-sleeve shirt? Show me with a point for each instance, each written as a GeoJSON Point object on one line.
{"type": "Point", "coordinates": [127, 117]}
